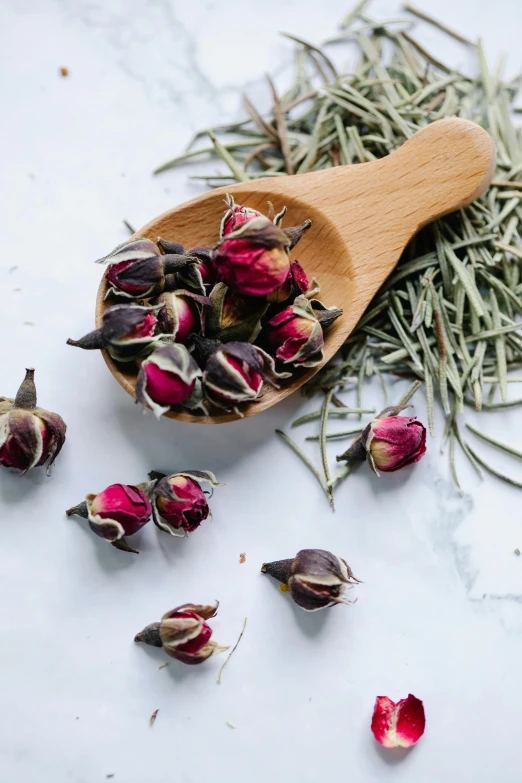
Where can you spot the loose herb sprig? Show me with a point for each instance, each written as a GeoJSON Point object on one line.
{"type": "Point", "coordinates": [448, 315]}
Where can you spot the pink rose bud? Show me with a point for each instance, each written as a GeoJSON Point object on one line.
{"type": "Point", "coordinates": [295, 335]}
{"type": "Point", "coordinates": [398, 725]}
{"type": "Point", "coordinates": [167, 377]}
{"type": "Point", "coordinates": [137, 268]}
{"type": "Point", "coordinates": [254, 259]}
{"type": "Point", "coordinates": [180, 314]}
{"type": "Point", "coordinates": [128, 331]}
{"type": "Point", "coordinates": [118, 511]}
{"type": "Point", "coordinates": [233, 317]}
{"type": "Point", "coordinates": [315, 578]}
{"type": "Point", "coordinates": [184, 633]}
{"type": "Point", "coordinates": [389, 443]}
{"type": "Point", "coordinates": [205, 266]}
{"type": "Point", "coordinates": [235, 373]}
{"type": "Point", "coordinates": [296, 283]}
{"type": "Point", "coordinates": [179, 505]}
{"type": "Point", "coordinates": [235, 216]}
{"type": "Point", "coordinates": [29, 436]}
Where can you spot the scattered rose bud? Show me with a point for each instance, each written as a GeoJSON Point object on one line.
{"type": "Point", "coordinates": [29, 436]}
{"type": "Point", "coordinates": [235, 216]}
{"type": "Point", "coordinates": [179, 505]}
{"type": "Point", "coordinates": [233, 316]}
{"type": "Point", "coordinates": [315, 578]}
{"type": "Point", "coordinates": [398, 725]}
{"type": "Point", "coordinates": [180, 314]}
{"type": "Point", "coordinates": [235, 373]}
{"type": "Point", "coordinates": [137, 268]}
{"type": "Point", "coordinates": [296, 336]}
{"type": "Point", "coordinates": [128, 331]}
{"type": "Point", "coordinates": [389, 443]}
{"type": "Point", "coordinates": [296, 283]}
{"type": "Point", "coordinates": [118, 511]}
{"type": "Point", "coordinates": [184, 633]}
{"type": "Point", "coordinates": [254, 259]}
{"type": "Point", "coordinates": [166, 378]}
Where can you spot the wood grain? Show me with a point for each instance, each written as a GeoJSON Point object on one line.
{"type": "Point", "coordinates": [363, 216]}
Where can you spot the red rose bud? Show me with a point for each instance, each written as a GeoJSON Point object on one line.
{"type": "Point", "coordinates": [235, 216]}
{"type": "Point", "coordinates": [398, 725]}
{"type": "Point", "coordinates": [389, 443]}
{"type": "Point", "coordinates": [184, 633]}
{"type": "Point", "coordinates": [233, 316]}
{"type": "Point", "coordinates": [235, 373]}
{"type": "Point", "coordinates": [296, 336]}
{"type": "Point", "coordinates": [296, 283]}
{"type": "Point", "coordinates": [315, 578]}
{"type": "Point", "coordinates": [137, 269]}
{"type": "Point", "coordinates": [254, 259]}
{"type": "Point", "coordinates": [180, 314]}
{"type": "Point", "coordinates": [166, 378]}
{"type": "Point", "coordinates": [29, 436]}
{"type": "Point", "coordinates": [128, 331]}
{"type": "Point", "coordinates": [118, 511]}
{"type": "Point", "coordinates": [179, 504]}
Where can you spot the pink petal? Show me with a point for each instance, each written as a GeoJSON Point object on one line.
{"type": "Point", "coordinates": [398, 725]}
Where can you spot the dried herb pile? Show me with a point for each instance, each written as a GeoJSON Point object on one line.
{"type": "Point", "coordinates": [448, 315]}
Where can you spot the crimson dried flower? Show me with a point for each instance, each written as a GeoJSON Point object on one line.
{"type": "Point", "coordinates": [295, 335]}
{"type": "Point", "coordinates": [233, 316]}
{"type": "Point", "coordinates": [254, 258]}
{"type": "Point", "coordinates": [29, 436]}
{"type": "Point", "coordinates": [389, 443]}
{"type": "Point", "coordinates": [179, 505]}
{"type": "Point", "coordinates": [184, 633]}
{"type": "Point", "coordinates": [398, 724]}
{"type": "Point", "coordinates": [128, 331]}
{"type": "Point", "coordinates": [316, 579]}
{"type": "Point", "coordinates": [235, 216]}
{"type": "Point", "coordinates": [296, 283]}
{"type": "Point", "coordinates": [180, 314]}
{"type": "Point", "coordinates": [167, 377]}
{"type": "Point", "coordinates": [120, 510]}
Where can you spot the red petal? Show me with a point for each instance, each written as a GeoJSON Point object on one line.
{"type": "Point", "coordinates": [398, 725]}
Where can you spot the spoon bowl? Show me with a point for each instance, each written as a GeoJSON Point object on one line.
{"type": "Point", "coordinates": [362, 215]}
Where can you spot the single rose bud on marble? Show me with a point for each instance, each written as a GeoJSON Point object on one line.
{"type": "Point", "coordinates": [235, 373]}
{"type": "Point", "coordinates": [184, 633]}
{"type": "Point", "coordinates": [295, 335]}
{"type": "Point", "coordinates": [398, 724]}
{"type": "Point", "coordinates": [128, 331]}
{"type": "Point", "coordinates": [235, 216]}
{"type": "Point", "coordinates": [254, 258]}
{"type": "Point", "coordinates": [179, 505]}
{"type": "Point", "coordinates": [180, 314]}
{"type": "Point", "coordinates": [29, 436]}
{"type": "Point", "coordinates": [315, 578]}
{"type": "Point", "coordinates": [137, 269]}
{"type": "Point", "coordinates": [296, 283]}
{"type": "Point", "coordinates": [389, 443]}
{"type": "Point", "coordinates": [234, 317]}
{"type": "Point", "coordinates": [167, 377]}
{"type": "Point", "coordinates": [120, 510]}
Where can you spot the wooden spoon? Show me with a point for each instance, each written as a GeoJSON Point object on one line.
{"type": "Point", "coordinates": [362, 216]}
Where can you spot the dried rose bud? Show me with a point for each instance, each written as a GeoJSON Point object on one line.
{"type": "Point", "coordinates": [180, 314]}
{"type": "Point", "coordinates": [199, 274]}
{"type": "Point", "coordinates": [137, 268]}
{"type": "Point", "coordinates": [235, 216]}
{"type": "Point", "coordinates": [29, 436]}
{"type": "Point", "coordinates": [128, 331]}
{"type": "Point", "coordinates": [118, 511]}
{"type": "Point", "coordinates": [184, 633]}
{"type": "Point", "coordinates": [398, 725]}
{"type": "Point", "coordinates": [236, 372]}
{"type": "Point", "coordinates": [296, 283]}
{"type": "Point", "coordinates": [296, 336]}
{"type": "Point", "coordinates": [166, 378]}
{"type": "Point", "coordinates": [389, 443]}
{"type": "Point", "coordinates": [254, 259]}
{"type": "Point", "coordinates": [179, 505]}
{"type": "Point", "coordinates": [233, 316]}
{"type": "Point", "coordinates": [315, 578]}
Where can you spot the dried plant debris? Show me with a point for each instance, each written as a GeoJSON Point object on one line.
{"type": "Point", "coordinates": [152, 719]}
{"type": "Point", "coordinates": [449, 315]}
{"type": "Point", "coordinates": [242, 557]}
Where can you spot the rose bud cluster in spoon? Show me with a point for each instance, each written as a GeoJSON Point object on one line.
{"type": "Point", "coordinates": [209, 327]}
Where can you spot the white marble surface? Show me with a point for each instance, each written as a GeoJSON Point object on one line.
{"type": "Point", "coordinates": [440, 610]}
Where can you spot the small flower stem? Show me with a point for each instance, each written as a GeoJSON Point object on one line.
{"type": "Point", "coordinates": [26, 394]}
{"type": "Point", "coordinates": [278, 569]}
{"type": "Point", "coordinates": [172, 262]}
{"type": "Point", "coordinates": [121, 544]}
{"type": "Point", "coordinates": [92, 341]}
{"type": "Point", "coordinates": [80, 510]}
{"type": "Point", "coordinates": [156, 475]}
{"type": "Point", "coordinates": [356, 451]}
{"type": "Point", "coordinates": [150, 635]}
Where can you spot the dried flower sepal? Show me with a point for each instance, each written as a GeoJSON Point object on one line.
{"type": "Point", "coordinates": [234, 317]}
{"type": "Point", "coordinates": [398, 725]}
{"type": "Point", "coordinates": [29, 436]}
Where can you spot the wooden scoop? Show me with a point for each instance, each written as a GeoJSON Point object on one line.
{"type": "Point", "coordinates": [362, 216]}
